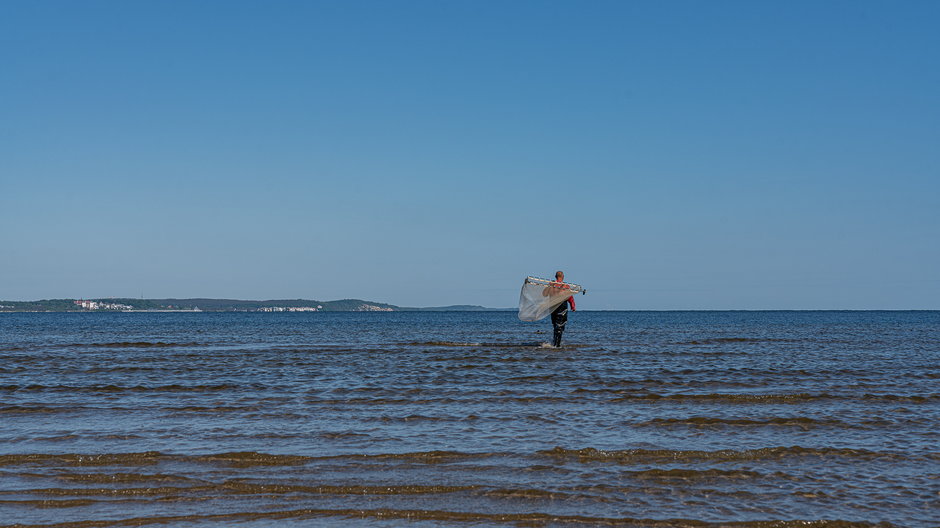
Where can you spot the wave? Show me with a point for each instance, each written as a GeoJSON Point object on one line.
{"type": "Point", "coordinates": [505, 396]}
{"type": "Point", "coordinates": [71, 459]}
{"type": "Point", "coordinates": [693, 474]}
{"type": "Point", "coordinates": [639, 456]}
{"type": "Point", "coordinates": [134, 344]}
{"type": "Point", "coordinates": [110, 344]}
{"type": "Point", "coordinates": [121, 478]}
{"type": "Point", "coordinates": [518, 519]}
{"type": "Point", "coordinates": [438, 401]}
{"type": "Point", "coordinates": [238, 459]}
{"type": "Point", "coordinates": [705, 421]}
{"type": "Point", "coordinates": [422, 418]}
{"type": "Point", "coordinates": [802, 422]}
{"type": "Point", "coordinates": [234, 459]}
{"type": "Point", "coordinates": [761, 340]}
{"type": "Point", "coordinates": [732, 340]}
{"type": "Point", "coordinates": [619, 386]}
{"type": "Point", "coordinates": [627, 456]}
{"type": "Point", "coordinates": [902, 397]}
{"type": "Point", "coordinates": [424, 457]}
{"type": "Point", "coordinates": [98, 370]}
{"type": "Point", "coordinates": [542, 418]}
{"type": "Point", "coordinates": [333, 435]}
{"type": "Point", "coordinates": [127, 388]}
{"type": "Point", "coordinates": [441, 344]}
{"type": "Point", "coordinates": [773, 398]}
{"type": "Point", "coordinates": [534, 378]}
{"type": "Point", "coordinates": [526, 344]}
{"type": "Point", "coordinates": [211, 409]}
{"type": "Point", "coordinates": [34, 409]}
{"type": "Point", "coordinates": [57, 438]}
{"type": "Point", "coordinates": [247, 459]}
{"type": "Point", "coordinates": [243, 488]}
{"type": "Point", "coordinates": [539, 494]}
{"type": "Point", "coordinates": [46, 503]}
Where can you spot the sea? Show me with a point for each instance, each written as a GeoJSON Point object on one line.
{"type": "Point", "coordinates": [642, 419]}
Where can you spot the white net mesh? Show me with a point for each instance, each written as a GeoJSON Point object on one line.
{"type": "Point", "coordinates": [540, 296]}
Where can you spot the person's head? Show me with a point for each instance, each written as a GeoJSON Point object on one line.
{"type": "Point", "coordinates": [560, 276]}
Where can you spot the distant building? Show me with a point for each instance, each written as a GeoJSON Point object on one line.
{"type": "Point", "coordinates": [95, 305]}
{"type": "Point", "coordinates": [372, 308]}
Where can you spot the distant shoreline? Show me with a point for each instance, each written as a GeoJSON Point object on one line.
{"type": "Point", "coordinates": [198, 305]}
{"type": "Point", "coordinates": [123, 304]}
{"type": "Point", "coordinates": [482, 309]}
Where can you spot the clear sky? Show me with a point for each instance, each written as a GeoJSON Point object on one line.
{"type": "Point", "coordinates": [666, 155]}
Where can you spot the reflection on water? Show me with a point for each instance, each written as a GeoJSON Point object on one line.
{"type": "Point", "coordinates": [386, 419]}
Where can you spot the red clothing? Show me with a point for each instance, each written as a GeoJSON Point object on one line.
{"type": "Point", "coordinates": [571, 302]}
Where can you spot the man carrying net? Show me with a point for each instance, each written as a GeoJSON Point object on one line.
{"type": "Point", "coordinates": [559, 314]}
{"type": "Point", "coordinates": [540, 298]}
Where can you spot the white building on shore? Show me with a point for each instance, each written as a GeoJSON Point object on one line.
{"type": "Point", "coordinates": [96, 305]}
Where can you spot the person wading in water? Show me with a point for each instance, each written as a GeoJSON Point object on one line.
{"type": "Point", "coordinates": [560, 314]}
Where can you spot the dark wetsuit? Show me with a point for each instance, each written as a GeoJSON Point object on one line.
{"type": "Point", "coordinates": [559, 319]}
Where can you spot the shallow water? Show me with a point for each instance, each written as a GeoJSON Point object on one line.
{"type": "Point", "coordinates": [422, 419]}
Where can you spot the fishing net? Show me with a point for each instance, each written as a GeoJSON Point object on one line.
{"type": "Point", "coordinates": [540, 296]}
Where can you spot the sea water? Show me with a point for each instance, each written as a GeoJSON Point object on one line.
{"type": "Point", "coordinates": [429, 418]}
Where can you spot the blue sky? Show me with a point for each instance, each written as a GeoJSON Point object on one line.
{"type": "Point", "coordinates": [667, 155]}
